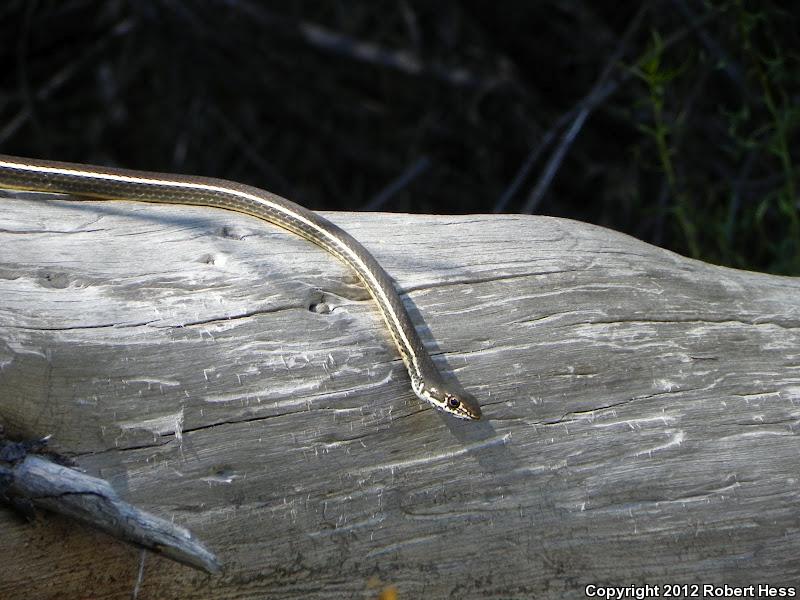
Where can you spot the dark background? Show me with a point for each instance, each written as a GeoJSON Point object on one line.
{"type": "Point", "coordinates": [675, 121]}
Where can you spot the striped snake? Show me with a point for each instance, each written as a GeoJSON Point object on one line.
{"type": "Point", "coordinates": [106, 183]}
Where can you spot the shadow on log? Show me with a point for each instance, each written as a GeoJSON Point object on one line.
{"type": "Point", "coordinates": [641, 409]}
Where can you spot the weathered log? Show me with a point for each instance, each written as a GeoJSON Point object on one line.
{"type": "Point", "coordinates": [641, 408]}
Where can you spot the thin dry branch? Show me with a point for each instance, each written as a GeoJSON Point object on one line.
{"type": "Point", "coordinates": [93, 502]}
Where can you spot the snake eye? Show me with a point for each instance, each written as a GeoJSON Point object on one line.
{"type": "Point", "coordinates": [454, 402]}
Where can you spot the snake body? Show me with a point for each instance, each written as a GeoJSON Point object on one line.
{"type": "Point", "coordinates": [105, 183]}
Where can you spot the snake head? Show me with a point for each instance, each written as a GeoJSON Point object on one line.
{"type": "Point", "coordinates": [458, 404]}
{"type": "Point", "coordinates": [462, 405]}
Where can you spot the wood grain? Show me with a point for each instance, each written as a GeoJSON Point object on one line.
{"type": "Point", "coordinates": [641, 408]}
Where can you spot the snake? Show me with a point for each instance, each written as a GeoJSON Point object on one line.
{"type": "Point", "coordinates": [111, 183]}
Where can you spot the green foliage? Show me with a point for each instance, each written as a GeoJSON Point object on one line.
{"type": "Point", "coordinates": [726, 158]}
